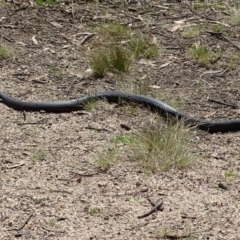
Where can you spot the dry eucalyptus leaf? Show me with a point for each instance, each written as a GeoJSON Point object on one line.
{"type": "Point", "coordinates": [55, 24]}
{"type": "Point", "coordinates": [34, 40]}
{"type": "Point", "coordinates": [155, 86]}
{"type": "Point", "coordinates": [165, 64]}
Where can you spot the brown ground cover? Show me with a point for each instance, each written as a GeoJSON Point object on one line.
{"type": "Point", "coordinates": [51, 187]}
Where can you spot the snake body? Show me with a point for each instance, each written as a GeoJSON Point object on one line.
{"type": "Point", "coordinates": [114, 97]}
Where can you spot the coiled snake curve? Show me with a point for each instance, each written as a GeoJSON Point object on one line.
{"type": "Point", "coordinates": [114, 97]}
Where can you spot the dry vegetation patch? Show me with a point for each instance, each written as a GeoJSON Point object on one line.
{"type": "Point", "coordinates": [115, 171]}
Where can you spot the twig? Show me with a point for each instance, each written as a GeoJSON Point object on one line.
{"type": "Point", "coordinates": [221, 36]}
{"type": "Point", "coordinates": [61, 191]}
{"type": "Point", "coordinates": [11, 26]}
{"type": "Point", "coordinates": [228, 40]}
{"type": "Point", "coordinates": [223, 103]}
{"type": "Point", "coordinates": [16, 166]}
{"type": "Point", "coordinates": [9, 40]}
{"type": "Point", "coordinates": [87, 38]}
{"type": "Point", "coordinates": [151, 202]}
{"type": "Point", "coordinates": [153, 210]}
{"type": "Point", "coordinates": [23, 225]}
{"type": "Point", "coordinates": [199, 15]}
{"type": "Point", "coordinates": [176, 237]}
{"type": "Point", "coordinates": [82, 174]}
{"type": "Point", "coordinates": [53, 230]}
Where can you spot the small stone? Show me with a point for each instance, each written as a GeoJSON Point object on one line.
{"type": "Point", "coordinates": [144, 189]}
{"type": "Point", "coordinates": [222, 185]}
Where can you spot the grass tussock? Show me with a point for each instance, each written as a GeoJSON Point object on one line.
{"type": "Point", "coordinates": [116, 48]}
{"type": "Point", "coordinates": [165, 149]}
{"type": "Point", "coordinates": [235, 15]}
{"type": "Point", "coordinates": [155, 149]}
{"type": "Point", "coordinates": [141, 46]}
{"type": "Point", "coordinates": [192, 31]}
{"type": "Point", "coordinates": [107, 159]}
{"type": "Point", "coordinates": [137, 86]}
{"type": "Point", "coordinates": [4, 51]}
{"type": "Point", "coordinates": [202, 54]}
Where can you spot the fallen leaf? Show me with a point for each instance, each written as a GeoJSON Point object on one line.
{"type": "Point", "coordinates": [81, 74]}
{"type": "Point", "coordinates": [165, 64]}
{"type": "Point", "coordinates": [154, 86]}
{"type": "Point", "coordinates": [55, 24]}
{"type": "Point", "coordinates": [212, 72]}
{"type": "Point", "coordinates": [66, 46]}
{"type": "Point", "coordinates": [147, 62]}
{"type": "Point", "coordinates": [34, 40]}
{"type": "Point", "coordinates": [154, 40]}
{"type": "Point", "coordinates": [140, 17]}
{"type": "Point", "coordinates": [180, 25]}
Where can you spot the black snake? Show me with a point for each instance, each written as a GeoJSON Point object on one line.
{"type": "Point", "coordinates": [114, 96]}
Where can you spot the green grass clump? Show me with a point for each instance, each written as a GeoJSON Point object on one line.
{"type": "Point", "coordinates": [125, 138]}
{"type": "Point", "coordinates": [99, 63]}
{"type": "Point", "coordinates": [141, 46]}
{"type": "Point", "coordinates": [45, 2]}
{"type": "Point", "coordinates": [231, 174]}
{"type": "Point", "coordinates": [155, 149]}
{"type": "Point", "coordinates": [138, 86]}
{"type": "Point", "coordinates": [235, 15]}
{"type": "Point", "coordinates": [192, 31]}
{"type": "Point", "coordinates": [107, 159]}
{"type": "Point", "coordinates": [164, 149]}
{"type": "Point", "coordinates": [4, 51]}
{"type": "Point", "coordinates": [39, 155]}
{"type": "Point", "coordinates": [115, 52]}
{"type": "Point", "coordinates": [114, 58]}
{"type": "Point", "coordinates": [232, 60]}
{"type": "Point", "coordinates": [119, 59]}
{"type": "Point", "coordinates": [113, 30]}
{"type": "Point", "coordinates": [200, 53]}
{"type": "Point", "coordinates": [94, 211]}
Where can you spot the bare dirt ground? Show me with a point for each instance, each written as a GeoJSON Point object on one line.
{"type": "Point", "coordinates": [51, 187]}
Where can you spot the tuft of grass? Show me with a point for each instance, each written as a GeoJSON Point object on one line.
{"type": "Point", "coordinates": [52, 223]}
{"type": "Point", "coordinates": [173, 101]}
{"type": "Point", "coordinates": [56, 71]}
{"type": "Point", "coordinates": [119, 59]}
{"type": "Point", "coordinates": [107, 159]}
{"type": "Point", "coordinates": [94, 211]}
{"type": "Point", "coordinates": [163, 149]}
{"type": "Point", "coordinates": [125, 138]}
{"type": "Point", "coordinates": [141, 46]}
{"type": "Point", "coordinates": [45, 2]}
{"type": "Point", "coordinates": [200, 53]}
{"type": "Point", "coordinates": [155, 149]}
{"type": "Point", "coordinates": [192, 31]}
{"type": "Point", "coordinates": [231, 174]}
{"type": "Point", "coordinates": [232, 60]}
{"type": "Point", "coordinates": [39, 155]}
{"type": "Point", "coordinates": [140, 86]}
{"type": "Point", "coordinates": [116, 51]}
{"type": "Point", "coordinates": [235, 15]}
{"type": "Point", "coordinates": [114, 58]}
{"type": "Point", "coordinates": [91, 105]}
{"type": "Point", "coordinates": [113, 30]}
{"type": "Point", "coordinates": [99, 63]}
{"type": "Point", "coordinates": [217, 28]}
{"type": "Point", "coordinates": [4, 51]}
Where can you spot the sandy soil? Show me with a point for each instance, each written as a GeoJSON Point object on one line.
{"type": "Point", "coordinates": [50, 186]}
